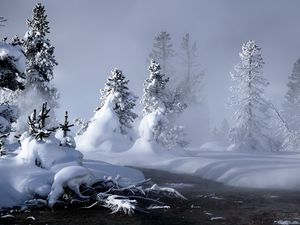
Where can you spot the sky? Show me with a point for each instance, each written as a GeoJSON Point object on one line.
{"type": "Point", "coordinates": [91, 37]}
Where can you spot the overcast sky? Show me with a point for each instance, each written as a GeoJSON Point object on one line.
{"type": "Point", "coordinates": [94, 36]}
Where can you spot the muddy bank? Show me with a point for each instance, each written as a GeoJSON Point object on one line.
{"type": "Point", "coordinates": [208, 203]}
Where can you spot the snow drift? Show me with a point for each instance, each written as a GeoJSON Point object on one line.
{"type": "Point", "coordinates": [271, 171]}
{"type": "Point", "coordinates": [103, 132]}
{"type": "Point", "coordinates": [43, 169]}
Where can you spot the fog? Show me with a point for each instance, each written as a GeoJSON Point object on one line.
{"type": "Point", "coordinates": [92, 37]}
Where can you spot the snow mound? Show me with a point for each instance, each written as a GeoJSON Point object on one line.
{"type": "Point", "coordinates": [46, 154]}
{"type": "Point", "coordinates": [44, 168]}
{"type": "Point", "coordinates": [103, 133]}
{"type": "Point", "coordinates": [71, 177]}
{"type": "Point", "coordinates": [148, 124]}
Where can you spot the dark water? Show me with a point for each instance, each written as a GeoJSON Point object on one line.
{"type": "Point", "coordinates": [208, 203]}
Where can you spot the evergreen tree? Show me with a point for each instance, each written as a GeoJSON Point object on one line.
{"type": "Point", "coordinates": [39, 66]}
{"type": "Point", "coordinates": [37, 124]}
{"type": "Point", "coordinates": [191, 85]}
{"type": "Point", "coordinates": [155, 97]}
{"type": "Point", "coordinates": [67, 140]}
{"type": "Point", "coordinates": [11, 73]}
{"type": "Point", "coordinates": [124, 100]}
{"type": "Point", "coordinates": [83, 123]}
{"type": "Point", "coordinates": [291, 105]}
{"type": "Point", "coordinates": [163, 51]}
{"type": "Point", "coordinates": [250, 127]}
{"type": "Point", "coordinates": [158, 102]}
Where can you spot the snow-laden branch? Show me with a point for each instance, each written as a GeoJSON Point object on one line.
{"type": "Point", "coordinates": [108, 193]}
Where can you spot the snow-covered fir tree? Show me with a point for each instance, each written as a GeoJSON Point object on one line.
{"type": "Point", "coordinates": [124, 100]}
{"type": "Point", "coordinates": [39, 66]}
{"type": "Point", "coordinates": [157, 101]}
{"type": "Point", "coordinates": [250, 130]}
{"type": "Point", "coordinates": [291, 105]}
{"type": "Point", "coordinates": [12, 67]}
{"type": "Point", "coordinates": [155, 97]}
{"type": "Point", "coordinates": [163, 51]}
{"type": "Point", "coordinates": [191, 85]}
{"type": "Point", "coordinates": [67, 140]}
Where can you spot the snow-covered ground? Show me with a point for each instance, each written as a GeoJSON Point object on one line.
{"type": "Point", "coordinates": [59, 167]}
{"type": "Point", "coordinates": [277, 170]}
{"type": "Point", "coordinates": [101, 141]}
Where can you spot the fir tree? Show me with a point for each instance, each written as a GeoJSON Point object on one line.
{"type": "Point", "coordinates": [37, 124]}
{"type": "Point", "coordinates": [191, 85]}
{"type": "Point", "coordinates": [158, 102]}
{"type": "Point", "coordinates": [291, 105]}
{"type": "Point", "coordinates": [39, 66]}
{"type": "Point", "coordinates": [83, 123]}
{"type": "Point", "coordinates": [11, 77]}
{"type": "Point", "coordinates": [38, 50]}
{"type": "Point", "coordinates": [163, 51]}
{"type": "Point", "coordinates": [155, 97]}
{"type": "Point", "coordinates": [250, 129]}
{"type": "Point", "coordinates": [65, 127]}
{"type": "Point", "coordinates": [124, 100]}
{"type": "Point", "coordinates": [10, 72]}
{"type": "Point", "coordinates": [67, 140]}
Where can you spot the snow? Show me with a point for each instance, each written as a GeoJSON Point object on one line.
{"type": "Point", "coordinates": [43, 169]}
{"type": "Point", "coordinates": [217, 218]}
{"type": "Point", "coordinates": [15, 54]}
{"type": "Point", "coordinates": [71, 177]}
{"type": "Point", "coordinates": [118, 203]}
{"type": "Point", "coordinates": [286, 222]}
{"type": "Point", "coordinates": [212, 146]}
{"type": "Point", "coordinates": [103, 132]}
{"type": "Point", "coordinates": [254, 170]}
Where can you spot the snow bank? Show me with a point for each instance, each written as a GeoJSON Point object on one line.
{"type": "Point", "coordinates": [46, 153]}
{"type": "Point", "coordinates": [71, 177]}
{"type": "Point", "coordinates": [275, 171]}
{"type": "Point", "coordinates": [148, 124]}
{"type": "Point", "coordinates": [15, 54]}
{"type": "Point", "coordinates": [43, 169]}
{"type": "Point", "coordinates": [103, 133]}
